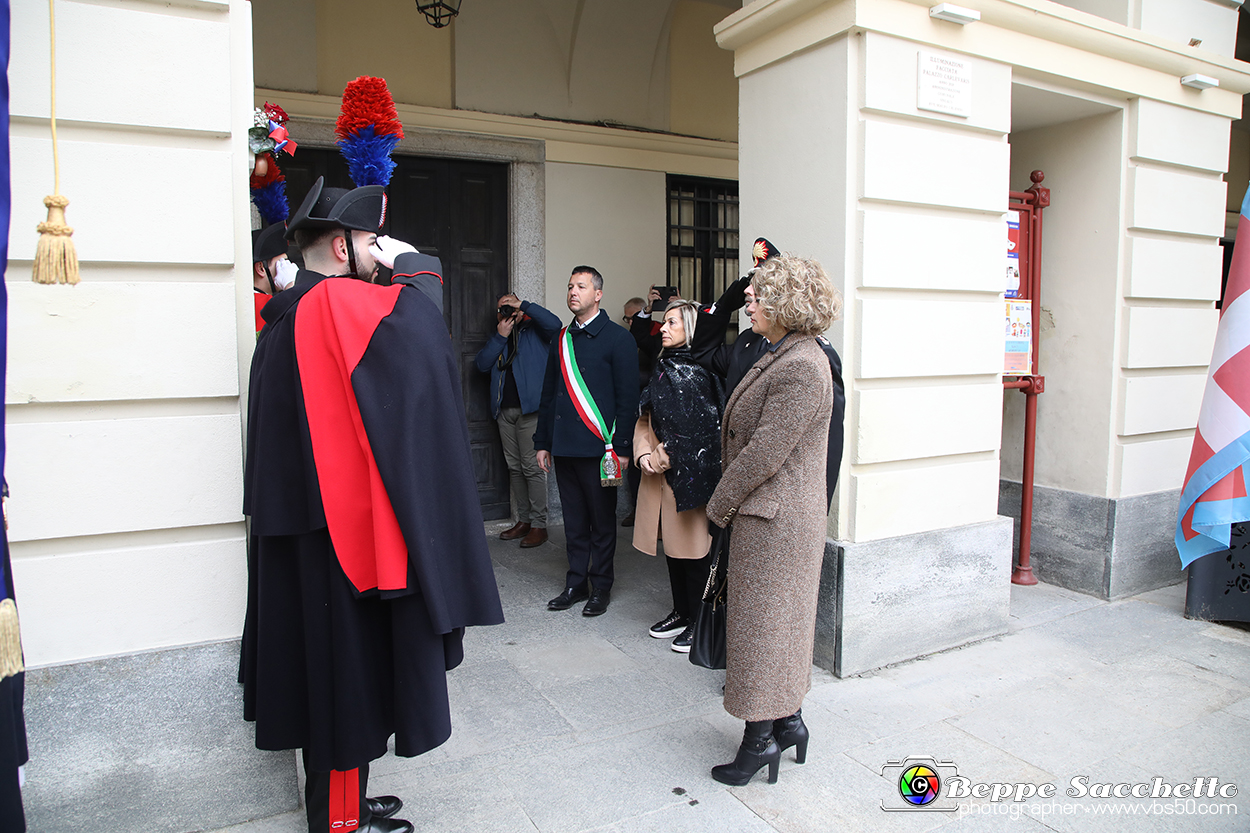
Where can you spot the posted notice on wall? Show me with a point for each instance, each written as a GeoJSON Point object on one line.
{"type": "Point", "coordinates": [1013, 254]}
{"type": "Point", "coordinates": [944, 84]}
{"type": "Point", "coordinates": [1018, 353]}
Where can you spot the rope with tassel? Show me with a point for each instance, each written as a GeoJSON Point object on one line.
{"type": "Point", "coordinates": [55, 258]}
{"type": "Point", "coordinates": [12, 660]}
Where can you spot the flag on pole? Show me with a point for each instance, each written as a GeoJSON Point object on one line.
{"type": "Point", "coordinates": [1214, 496]}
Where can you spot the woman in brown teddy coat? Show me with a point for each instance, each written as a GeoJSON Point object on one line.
{"type": "Point", "coordinates": [774, 436]}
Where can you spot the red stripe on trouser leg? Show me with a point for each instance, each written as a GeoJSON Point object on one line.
{"type": "Point", "coordinates": [344, 799]}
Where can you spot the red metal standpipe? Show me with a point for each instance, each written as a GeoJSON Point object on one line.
{"type": "Point", "coordinates": [1034, 384]}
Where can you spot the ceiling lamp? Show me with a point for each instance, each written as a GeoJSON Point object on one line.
{"type": "Point", "coordinates": [439, 12]}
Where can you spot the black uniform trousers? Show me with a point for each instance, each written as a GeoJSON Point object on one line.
{"type": "Point", "coordinates": [332, 804]}
{"type": "Point", "coordinates": [589, 522]}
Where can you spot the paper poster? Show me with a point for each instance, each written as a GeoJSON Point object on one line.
{"type": "Point", "coordinates": [1013, 254]}
{"type": "Point", "coordinates": [1018, 352]}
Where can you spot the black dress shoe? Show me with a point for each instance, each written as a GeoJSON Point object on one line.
{"type": "Point", "coordinates": [570, 597]}
{"type": "Point", "coordinates": [598, 603]}
{"type": "Point", "coordinates": [384, 806]}
{"type": "Point", "coordinates": [377, 825]}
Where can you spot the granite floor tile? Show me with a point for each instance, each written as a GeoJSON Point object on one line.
{"type": "Point", "coordinates": [831, 793]}
{"type": "Point", "coordinates": [1041, 603]}
{"type": "Point", "coordinates": [1118, 630]}
{"type": "Point", "coordinates": [976, 760]}
{"type": "Point", "coordinates": [476, 802]}
{"type": "Point", "coordinates": [1218, 648]}
{"type": "Point", "coordinates": [1059, 727]}
{"type": "Point", "coordinates": [711, 812]}
{"type": "Point", "coordinates": [878, 706]}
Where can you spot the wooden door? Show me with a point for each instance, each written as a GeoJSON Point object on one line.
{"type": "Point", "coordinates": [456, 210]}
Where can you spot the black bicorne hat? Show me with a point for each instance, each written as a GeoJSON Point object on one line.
{"type": "Point", "coordinates": [268, 243]}
{"type": "Point", "coordinates": [362, 209]}
{"type": "Point", "coordinates": [762, 250]}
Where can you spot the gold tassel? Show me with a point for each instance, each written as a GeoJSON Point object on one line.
{"type": "Point", "coordinates": [10, 641]}
{"type": "Point", "coordinates": [55, 258]}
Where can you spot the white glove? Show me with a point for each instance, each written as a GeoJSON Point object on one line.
{"type": "Point", "coordinates": [386, 249]}
{"type": "Point", "coordinates": [284, 275]}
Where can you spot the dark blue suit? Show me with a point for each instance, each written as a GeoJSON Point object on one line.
{"type": "Point", "coordinates": [608, 360]}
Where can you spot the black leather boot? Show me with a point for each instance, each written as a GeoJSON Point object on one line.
{"type": "Point", "coordinates": [792, 731]}
{"type": "Point", "coordinates": [758, 748]}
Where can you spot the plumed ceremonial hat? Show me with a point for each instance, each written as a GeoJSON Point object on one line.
{"type": "Point", "coordinates": [762, 250]}
{"type": "Point", "coordinates": [268, 243]}
{"type": "Point", "coordinates": [362, 209]}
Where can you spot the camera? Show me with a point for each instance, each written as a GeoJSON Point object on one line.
{"type": "Point", "coordinates": [507, 310]}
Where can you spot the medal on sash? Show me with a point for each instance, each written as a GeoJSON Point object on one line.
{"type": "Point", "coordinates": [610, 465]}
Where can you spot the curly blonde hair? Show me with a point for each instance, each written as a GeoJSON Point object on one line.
{"type": "Point", "coordinates": [796, 293]}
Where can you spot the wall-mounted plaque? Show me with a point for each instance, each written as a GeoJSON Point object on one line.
{"type": "Point", "coordinates": [944, 84]}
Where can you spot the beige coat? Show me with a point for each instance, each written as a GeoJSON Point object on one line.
{"type": "Point", "coordinates": [774, 435]}
{"type": "Point", "coordinates": [685, 533]}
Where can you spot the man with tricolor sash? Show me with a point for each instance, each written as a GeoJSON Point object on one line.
{"type": "Point", "coordinates": [585, 432]}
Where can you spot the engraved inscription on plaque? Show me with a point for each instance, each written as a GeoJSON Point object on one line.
{"type": "Point", "coordinates": [944, 84]}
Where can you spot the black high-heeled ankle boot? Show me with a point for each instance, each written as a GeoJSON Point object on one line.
{"type": "Point", "coordinates": [792, 731]}
{"type": "Point", "coordinates": [758, 748]}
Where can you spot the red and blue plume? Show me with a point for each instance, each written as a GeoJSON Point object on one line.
{"type": "Point", "coordinates": [269, 191]}
{"type": "Point", "coordinates": [368, 129]}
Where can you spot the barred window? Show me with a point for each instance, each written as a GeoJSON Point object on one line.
{"type": "Point", "coordinates": [702, 236]}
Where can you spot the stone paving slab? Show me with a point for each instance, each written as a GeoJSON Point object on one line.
{"type": "Point", "coordinates": [565, 724]}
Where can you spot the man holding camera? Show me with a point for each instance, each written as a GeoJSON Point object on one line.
{"type": "Point", "coordinates": [516, 358]}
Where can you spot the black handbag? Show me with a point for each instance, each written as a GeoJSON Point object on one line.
{"type": "Point", "coordinates": [708, 646]}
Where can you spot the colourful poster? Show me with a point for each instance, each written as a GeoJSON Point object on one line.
{"type": "Point", "coordinates": [1018, 351]}
{"type": "Point", "coordinates": [1013, 254]}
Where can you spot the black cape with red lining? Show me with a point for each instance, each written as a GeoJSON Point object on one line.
{"type": "Point", "coordinates": [336, 665]}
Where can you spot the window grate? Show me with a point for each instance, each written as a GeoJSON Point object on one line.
{"type": "Point", "coordinates": [702, 236]}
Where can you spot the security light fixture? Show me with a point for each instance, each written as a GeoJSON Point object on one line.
{"type": "Point", "coordinates": [954, 14]}
{"type": "Point", "coordinates": [1200, 82]}
{"type": "Point", "coordinates": [439, 12]}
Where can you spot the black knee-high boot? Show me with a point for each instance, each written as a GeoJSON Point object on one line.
{"type": "Point", "coordinates": [792, 731]}
{"type": "Point", "coordinates": [758, 748]}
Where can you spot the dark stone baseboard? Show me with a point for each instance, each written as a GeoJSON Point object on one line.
{"type": "Point", "coordinates": [1099, 546]}
{"type": "Point", "coordinates": [153, 742]}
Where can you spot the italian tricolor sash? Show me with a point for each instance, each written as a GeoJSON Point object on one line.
{"type": "Point", "coordinates": [610, 465]}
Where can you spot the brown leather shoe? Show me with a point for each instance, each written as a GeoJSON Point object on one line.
{"type": "Point", "coordinates": [518, 531]}
{"type": "Point", "coordinates": [537, 535]}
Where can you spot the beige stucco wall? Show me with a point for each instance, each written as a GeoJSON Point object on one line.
{"type": "Point", "coordinates": [704, 96]}
{"type": "Point", "coordinates": [652, 63]}
{"type": "Point", "coordinates": [122, 403]}
{"type": "Point", "coordinates": [388, 40]}
{"type": "Point", "coordinates": [610, 218]}
{"type": "Point", "coordinates": [1214, 22]}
